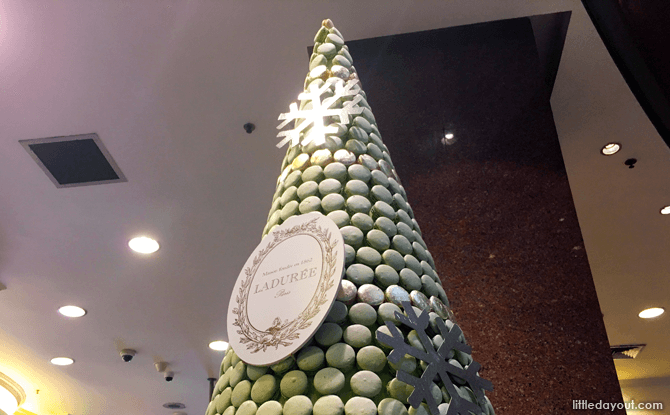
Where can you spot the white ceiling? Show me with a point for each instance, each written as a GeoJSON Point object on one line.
{"type": "Point", "coordinates": [167, 85]}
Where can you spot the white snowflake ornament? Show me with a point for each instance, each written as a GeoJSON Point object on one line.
{"type": "Point", "coordinates": [320, 109]}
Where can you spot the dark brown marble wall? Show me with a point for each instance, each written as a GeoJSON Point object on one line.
{"type": "Point", "coordinates": [495, 207]}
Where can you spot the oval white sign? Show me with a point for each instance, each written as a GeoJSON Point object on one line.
{"type": "Point", "coordinates": [286, 289]}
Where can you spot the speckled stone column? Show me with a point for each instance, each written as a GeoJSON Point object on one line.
{"type": "Point", "coordinates": [348, 367]}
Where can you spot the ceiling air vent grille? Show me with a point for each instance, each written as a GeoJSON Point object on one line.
{"type": "Point", "coordinates": [626, 351]}
{"type": "Point", "coordinates": [76, 160]}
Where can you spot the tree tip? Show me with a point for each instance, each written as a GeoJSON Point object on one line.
{"type": "Point", "coordinates": [327, 23]}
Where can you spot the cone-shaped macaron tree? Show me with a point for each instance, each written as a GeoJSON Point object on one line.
{"type": "Point", "coordinates": [390, 344]}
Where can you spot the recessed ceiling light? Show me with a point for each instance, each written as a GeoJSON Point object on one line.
{"type": "Point", "coordinates": [218, 345]}
{"type": "Point", "coordinates": [651, 312]}
{"type": "Point", "coordinates": [611, 148]}
{"type": "Point", "coordinates": [62, 361]}
{"type": "Point", "coordinates": [72, 311]}
{"type": "Point", "coordinates": [143, 245]}
{"type": "Point", "coordinates": [665, 210]}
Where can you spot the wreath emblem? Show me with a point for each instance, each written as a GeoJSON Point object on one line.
{"type": "Point", "coordinates": [283, 333]}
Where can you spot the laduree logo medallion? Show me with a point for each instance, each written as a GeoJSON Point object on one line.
{"type": "Point", "coordinates": [286, 289]}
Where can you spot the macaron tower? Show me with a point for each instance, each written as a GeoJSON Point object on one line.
{"type": "Point", "coordinates": [391, 320]}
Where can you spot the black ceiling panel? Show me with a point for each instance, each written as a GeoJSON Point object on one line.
{"type": "Point", "coordinates": [74, 161]}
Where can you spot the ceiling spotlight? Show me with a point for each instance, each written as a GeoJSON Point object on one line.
{"type": "Point", "coordinates": [665, 210]}
{"type": "Point", "coordinates": [143, 245]}
{"type": "Point", "coordinates": [611, 148]}
{"type": "Point", "coordinates": [651, 312]}
{"type": "Point", "coordinates": [72, 311]}
{"type": "Point", "coordinates": [62, 361]}
{"type": "Point", "coordinates": [218, 345]}
{"type": "Point", "coordinates": [12, 395]}
{"type": "Point", "coordinates": [169, 375]}
{"type": "Point", "coordinates": [448, 139]}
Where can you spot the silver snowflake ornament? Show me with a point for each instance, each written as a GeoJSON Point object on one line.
{"type": "Point", "coordinates": [315, 115]}
{"type": "Point", "coordinates": [440, 363]}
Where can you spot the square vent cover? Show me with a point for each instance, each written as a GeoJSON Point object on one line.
{"type": "Point", "coordinates": [76, 160]}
